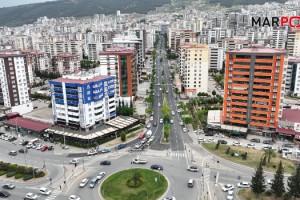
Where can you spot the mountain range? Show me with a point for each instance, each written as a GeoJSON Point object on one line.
{"type": "Point", "coordinates": [26, 14]}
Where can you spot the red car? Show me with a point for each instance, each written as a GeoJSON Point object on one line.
{"type": "Point", "coordinates": [44, 148]}
{"type": "Point", "coordinates": [142, 136]}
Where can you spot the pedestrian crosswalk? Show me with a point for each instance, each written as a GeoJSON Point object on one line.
{"type": "Point", "coordinates": [206, 174]}
{"type": "Point", "coordinates": [53, 195]}
{"type": "Point", "coordinates": [178, 154]}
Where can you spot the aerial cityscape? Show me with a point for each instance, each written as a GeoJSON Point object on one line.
{"type": "Point", "coordinates": [150, 100]}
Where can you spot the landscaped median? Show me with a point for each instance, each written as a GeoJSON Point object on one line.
{"type": "Point", "coordinates": [247, 194]}
{"type": "Point", "coordinates": [253, 157]}
{"type": "Point", "coordinates": [19, 171]}
{"type": "Point", "coordinates": [134, 184]}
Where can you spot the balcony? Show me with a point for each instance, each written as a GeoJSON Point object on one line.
{"type": "Point", "coordinates": [73, 108]}
{"type": "Point", "coordinates": [239, 103]}
{"type": "Point", "coordinates": [74, 119]}
{"type": "Point", "coordinates": [73, 113]}
{"type": "Point", "coordinates": [238, 121]}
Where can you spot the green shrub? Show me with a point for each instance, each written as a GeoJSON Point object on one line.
{"type": "Point", "coordinates": [232, 154]}
{"type": "Point", "coordinates": [287, 196]}
{"type": "Point", "coordinates": [27, 177]}
{"type": "Point", "coordinates": [10, 174]}
{"type": "Point", "coordinates": [13, 167]}
{"type": "Point", "coordinates": [17, 176]}
{"type": "Point", "coordinates": [4, 166]}
{"type": "Point", "coordinates": [21, 170]}
{"type": "Point", "coordinates": [274, 166]}
{"type": "Point", "coordinates": [269, 193]}
{"type": "Point", "coordinates": [40, 174]}
{"type": "Point", "coordinates": [2, 172]}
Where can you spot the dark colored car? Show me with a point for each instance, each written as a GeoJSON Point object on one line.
{"type": "Point", "coordinates": [4, 194]}
{"type": "Point", "coordinates": [24, 143]}
{"type": "Point", "coordinates": [12, 139]}
{"type": "Point", "coordinates": [222, 142]}
{"type": "Point", "coordinates": [121, 146]}
{"type": "Point", "coordinates": [288, 145]}
{"type": "Point", "coordinates": [256, 140]}
{"type": "Point", "coordinates": [155, 123]}
{"type": "Point", "coordinates": [268, 142]}
{"type": "Point", "coordinates": [12, 153]}
{"type": "Point", "coordinates": [105, 162]}
{"type": "Point", "coordinates": [8, 186]}
{"type": "Point", "coordinates": [22, 151]}
{"type": "Point", "coordinates": [50, 148]}
{"type": "Point", "coordinates": [1, 133]}
{"type": "Point", "coordinates": [157, 167]}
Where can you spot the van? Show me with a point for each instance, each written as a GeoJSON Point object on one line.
{"type": "Point", "coordinates": [191, 183]}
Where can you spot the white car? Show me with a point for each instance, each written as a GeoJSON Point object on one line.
{"type": "Point", "coordinates": [266, 147]}
{"type": "Point", "coordinates": [151, 138]}
{"type": "Point", "coordinates": [39, 146]}
{"type": "Point", "coordinates": [158, 104]}
{"type": "Point", "coordinates": [250, 145]}
{"type": "Point", "coordinates": [210, 140]}
{"type": "Point", "coordinates": [161, 121]}
{"type": "Point", "coordinates": [74, 161]}
{"type": "Point", "coordinates": [230, 195]}
{"type": "Point", "coordinates": [184, 130]}
{"type": "Point", "coordinates": [179, 110]}
{"type": "Point", "coordinates": [243, 185]}
{"type": "Point", "coordinates": [236, 144]}
{"type": "Point", "coordinates": [172, 113]}
{"type": "Point", "coordinates": [270, 181]}
{"type": "Point", "coordinates": [227, 187]}
{"type": "Point", "coordinates": [169, 198]}
{"type": "Point", "coordinates": [172, 121]}
{"type": "Point", "coordinates": [151, 118]}
{"type": "Point", "coordinates": [45, 191]}
{"type": "Point", "coordinates": [138, 145]}
{"type": "Point", "coordinates": [100, 175]}
{"type": "Point", "coordinates": [143, 141]}
{"type": "Point", "coordinates": [29, 145]}
{"type": "Point", "coordinates": [180, 123]}
{"type": "Point", "coordinates": [92, 152]}
{"type": "Point", "coordinates": [74, 197]}
{"type": "Point", "coordinates": [201, 140]}
{"type": "Point", "coordinates": [149, 125]}
{"type": "Point", "coordinates": [31, 196]}
{"type": "Point", "coordinates": [21, 141]}
{"type": "Point", "coordinates": [83, 182]}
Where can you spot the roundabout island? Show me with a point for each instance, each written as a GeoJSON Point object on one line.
{"type": "Point", "coordinates": [134, 184]}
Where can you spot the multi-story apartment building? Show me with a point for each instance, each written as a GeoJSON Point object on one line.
{"type": "Point", "coordinates": [216, 57]}
{"type": "Point", "coordinates": [293, 43]}
{"type": "Point", "coordinates": [121, 63]}
{"type": "Point", "coordinates": [278, 39]}
{"type": "Point", "coordinates": [71, 46]}
{"type": "Point", "coordinates": [218, 34]}
{"type": "Point", "coordinates": [180, 37]}
{"type": "Point", "coordinates": [14, 82]}
{"type": "Point", "coordinates": [66, 63]}
{"type": "Point", "coordinates": [194, 65]}
{"type": "Point", "coordinates": [254, 87]}
{"type": "Point", "coordinates": [292, 81]}
{"type": "Point", "coordinates": [82, 100]}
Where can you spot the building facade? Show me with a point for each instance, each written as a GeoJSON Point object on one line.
{"type": "Point", "coordinates": [293, 43]}
{"type": "Point", "coordinates": [66, 63]}
{"type": "Point", "coordinates": [292, 81]}
{"type": "Point", "coordinates": [180, 37]}
{"type": "Point", "coordinates": [216, 57]}
{"type": "Point", "coordinates": [121, 63]}
{"type": "Point", "coordinates": [194, 65]}
{"type": "Point", "coordinates": [82, 100]}
{"type": "Point", "coordinates": [14, 81]}
{"type": "Point", "coordinates": [254, 87]}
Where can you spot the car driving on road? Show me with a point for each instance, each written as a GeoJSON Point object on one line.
{"type": "Point", "coordinates": [105, 162]}
{"type": "Point", "coordinates": [193, 169]}
{"type": "Point", "coordinates": [227, 187]}
{"type": "Point", "coordinates": [83, 182]}
{"type": "Point", "coordinates": [243, 185]}
{"type": "Point", "coordinates": [157, 167]}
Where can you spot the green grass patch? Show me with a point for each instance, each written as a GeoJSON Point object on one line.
{"type": "Point", "coordinates": [253, 157]}
{"type": "Point", "coordinates": [247, 194]}
{"type": "Point", "coordinates": [2, 173]}
{"type": "Point", "coordinates": [116, 186]}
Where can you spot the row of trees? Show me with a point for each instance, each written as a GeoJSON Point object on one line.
{"type": "Point", "coordinates": [47, 74]}
{"type": "Point", "coordinates": [88, 64]}
{"type": "Point", "coordinates": [258, 185]}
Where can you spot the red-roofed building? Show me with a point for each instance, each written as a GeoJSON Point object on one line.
{"type": "Point", "coordinates": [27, 124]}
{"type": "Point", "coordinates": [289, 123]}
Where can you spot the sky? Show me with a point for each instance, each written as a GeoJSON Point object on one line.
{"type": "Point", "coordinates": [9, 3]}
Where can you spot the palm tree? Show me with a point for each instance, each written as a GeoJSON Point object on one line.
{"type": "Point", "coordinates": [269, 153]}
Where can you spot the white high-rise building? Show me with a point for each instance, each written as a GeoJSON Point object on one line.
{"type": "Point", "coordinates": [194, 65]}
{"type": "Point", "coordinates": [279, 37]}
{"type": "Point", "coordinates": [216, 57]}
{"type": "Point", "coordinates": [14, 82]}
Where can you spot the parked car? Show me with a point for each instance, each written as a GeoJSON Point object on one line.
{"type": "Point", "coordinates": [93, 182]}
{"type": "Point", "coordinates": [9, 186]}
{"type": "Point", "coordinates": [29, 145]}
{"type": "Point", "coordinates": [250, 145]}
{"type": "Point", "coordinates": [74, 197]}
{"type": "Point", "coordinates": [45, 191]}
{"type": "Point", "coordinates": [236, 144]}
{"type": "Point", "coordinates": [222, 141]}
{"type": "Point", "coordinates": [184, 130]}
{"type": "Point", "coordinates": [256, 140]}
{"type": "Point", "coordinates": [22, 151]}
{"type": "Point", "coordinates": [243, 185]}
{"type": "Point", "coordinates": [288, 145]}
{"type": "Point", "coordinates": [157, 167]}
{"type": "Point", "coordinates": [83, 182]}
{"type": "Point", "coordinates": [105, 162]}
{"type": "Point", "coordinates": [172, 121]}
{"type": "Point", "coordinates": [151, 118]}
{"type": "Point", "coordinates": [227, 187]}
{"type": "Point", "coordinates": [149, 125]}
{"type": "Point", "coordinates": [12, 153]}
{"type": "Point", "coordinates": [4, 194]}
{"type": "Point", "coordinates": [201, 140]}
{"type": "Point", "coordinates": [24, 143]}
{"type": "Point", "coordinates": [268, 142]}
{"type": "Point", "coordinates": [44, 148]}
{"type": "Point", "coordinates": [193, 169]}
{"type": "Point", "coordinates": [50, 148]}
{"type": "Point", "coordinates": [181, 123]}
{"type": "Point", "coordinates": [161, 121]}
{"type": "Point", "coordinates": [12, 139]}
{"type": "Point", "coordinates": [142, 136]}
{"type": "Point", "coordinates": [121, 146]}
{"type": "Point", "coordinates": [100, 175]}
{"type": "Point", "coordinates": [105, 150]}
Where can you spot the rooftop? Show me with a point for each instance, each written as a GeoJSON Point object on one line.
{"type": "Point", "coordinates": [81, 78]}
{"type": "Point", "coordinates": [291, 115]}
{"type": "Point", "coordinates": [259, 49]}
{"type": "Point", "coordinates": [117, 51]}
{"type": "Point", "coordinates": [28, 124]}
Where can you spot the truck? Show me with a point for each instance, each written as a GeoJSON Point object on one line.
{"type": "Point", "coordinates": [139, 161]}
{"type": "Point", "coordinates": [148, 134]}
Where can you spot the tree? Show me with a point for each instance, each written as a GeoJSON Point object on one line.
{"type": "Point", "coordinates": [278, 185]}
{"type": "Point", "coordinates": [187, 120]}
{"type": "Point", "coordinates": [213, 93]}
{"type": "Point", "coordinates": [294, 183]}
{"type": "Point", "coordinates": [137, 178]}
{"type": "Point", "coordinates": [258, 180]}
{"type": "Point", "coordinates": [123, 136]}
{"type": "Point", "coordinates": [166, 131]}
{"type": "Point", "coordinates": [269, 153]}
{"type": "Point", "coordinates": [217, 145]}
{"type": "Point", "coordinates": [149, 110]}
